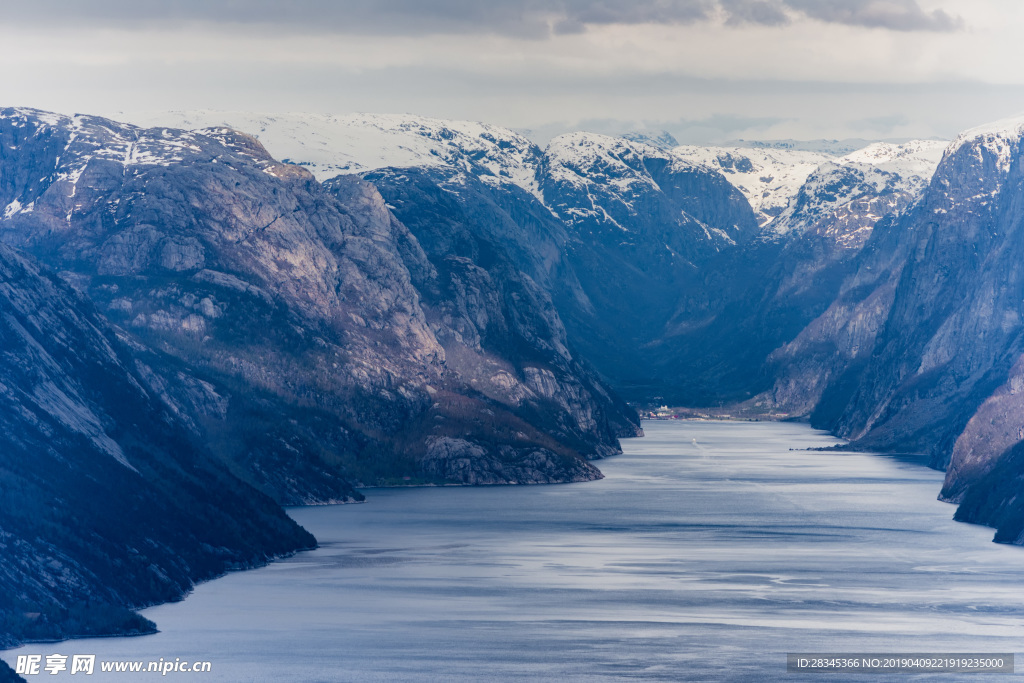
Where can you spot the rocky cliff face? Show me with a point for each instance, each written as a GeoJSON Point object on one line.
{"type": "Point", "coordinates": [727, 334]}
{"type": "Point", "coordinates": [644, 228]}
{"type": "Point", "coordinates": [921, 350]}
{"type": "Point", "coordinates": [296, 317]}
{"type": "Point", "coordinates": [948, 339]}
{"type": "Point", "coordinates": [827, 226]}
{"type": "Point", "coordinates": [107, 502]}
{"type": "Point", "coordinates": [607, 231]}
{"type": "Point", "coordinates": [652, 256]}
{"type": "Point", "coordinates": [498, 325]}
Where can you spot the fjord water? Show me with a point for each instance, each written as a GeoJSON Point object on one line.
{"type": "Point", "coordinates": [708, 552]}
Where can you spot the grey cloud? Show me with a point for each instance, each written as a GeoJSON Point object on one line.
{"type": "Point", "coordinates": [763, 12]}
{"type": "Point", "coordinates": [375, 17]}
{"type": "Point", "coordinates": [524, 18]}
{"type": "Point", "coordinates": [721, 127]}
{"type": "Point", "coordinates": [577, 14]}
{"type": "Point", "coordinates": [519, 18]}
{"type": "Point", "coordinates": [897, 15]}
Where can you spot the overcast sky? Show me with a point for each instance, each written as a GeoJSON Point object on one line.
{"type": "Point", "coordinates": [705, 70]}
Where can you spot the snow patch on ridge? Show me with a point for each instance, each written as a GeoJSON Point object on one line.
{"type": "Point", "coordinates": [767, 177]}
{"type": "Point", "coordinates": [771, 179]}
{"type": "Point", "coordinates": [329, 145]}
{"type": "Point", "coordinates": [583, 159]}
{"type": "Point", "coordinates": [1001, 138]}
{"type": "Point", "coordinates": [913, 159]}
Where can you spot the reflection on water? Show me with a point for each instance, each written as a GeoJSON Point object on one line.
{"type": "Point", "coordinates": [708, 552]}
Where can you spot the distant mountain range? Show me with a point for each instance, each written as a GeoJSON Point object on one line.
{"type": "Point", "coordinates": [287, 308]}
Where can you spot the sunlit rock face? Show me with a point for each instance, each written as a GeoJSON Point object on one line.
{"type": "Point", "coordinates": [303, 332]}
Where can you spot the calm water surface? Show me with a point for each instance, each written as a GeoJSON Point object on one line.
{"type": "Point", "coordinates": [709, 551]}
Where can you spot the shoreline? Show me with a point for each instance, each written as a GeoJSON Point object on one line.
{"type": "Point", "coordinates": [639, 485]}
{"type": "Point", "coordinates": [693, 416]}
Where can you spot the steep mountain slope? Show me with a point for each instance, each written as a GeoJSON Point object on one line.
{"type": "Point", "coordinates": [832, 216]}
{"type": "Point", "coordinates": [574, 250]}
{"type": "Point", "coordinates": [613, 231]}
{"type": "Point", "coordinates": [921, 352]}
{"type": "Point", "coordinates": [763, 294]}
{"type": "Point", "coordinates": [106, 502]}
{"type": "Point", "coordinates": [7, 674]}
{"type": "Point", "coordinates": [955, 314]}
{"type": "Point", "coordinates": [645, 229]}
{"type": "Point", "coordinates": [647, 254]}
{"type": "Point", "coordinates": [296, 306]}
{"type": "Point", "coordinates": [497, 325]}
{"type": "Point", "coordinates": [830, 221]}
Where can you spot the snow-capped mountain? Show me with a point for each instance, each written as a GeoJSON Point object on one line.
{"type": "Point", "coordinates": [999, 141]}
{"type": "Point", "coordinates": [357, 143]}
{"type": "Point", "coordinates": [661, 139]}
{"type": "Point", "coordinates": [330, 145]}
{"type": "Point", "coordinates": [768, 178]}
{"type": "Point", "coordinates": [843, 202]}
{"type": "Point", "coordinates": [915, 161]}
{"type": "Point", "coordinates": [590, 179]}
{"type": "Point", "coordinates": [610, 206]}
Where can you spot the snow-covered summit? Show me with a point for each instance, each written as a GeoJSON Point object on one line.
{"type": "Point", "coordinates": [767, 177]}
{"type": "Point", "coordinates": [76, 141]}
{"type": "Point", "coordinates": [1012, 126]}
{"type": "Point", "coordinates": [844, 198]}
{"type": "Point", "coordinates": [770, 177]}
{"type": "Point", "coordinates": [330, 145]}
{"type": "Point", "coordinates": [1000, 138]}
{"type": "Point", "coordinates": [916, 158]}
{"type": "Point", "coordinates": [581, 157]}
{"type": "Point", "coordinates": [844, 201]}
{"type": "Point", "coordinates": [598, 182]}
{"type": "Point", "coordinates": [662, 139]}
{"type": "Point", "coordinates": [105, 139]}
{"type": "Point", "coordinates": [603, 175]}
